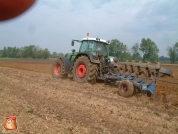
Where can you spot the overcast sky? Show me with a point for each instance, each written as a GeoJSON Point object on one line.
{"type": "Point", "coordinates": [53, 24]}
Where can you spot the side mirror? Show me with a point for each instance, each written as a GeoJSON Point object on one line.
{"type": "Point", "coordinates": [73, 50]}
{"type": "Point", "coordinates": [72, 43]}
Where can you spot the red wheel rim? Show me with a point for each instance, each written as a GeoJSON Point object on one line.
{"type": "Point", "coordinates": [124, 88]}
{"type": "Point", "coordinates": [81, 71]}
{"type": "Point", "coordinates": [57, 69]}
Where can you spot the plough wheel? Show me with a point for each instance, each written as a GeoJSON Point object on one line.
{"type": "Point", "coordinates": [126, 88]}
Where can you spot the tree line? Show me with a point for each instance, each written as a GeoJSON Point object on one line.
{"type": "Point", "coordinates": [31, 51]}
{"type": "Point", "coordinates": [147, 50]}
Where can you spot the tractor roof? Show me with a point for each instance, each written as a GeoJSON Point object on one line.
{"type": "Point", "coordinates": [96, 39]}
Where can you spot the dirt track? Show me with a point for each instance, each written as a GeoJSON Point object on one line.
{"type": "Point", "coordinates": [43, 104]}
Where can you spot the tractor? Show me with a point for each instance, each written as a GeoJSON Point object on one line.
{"type": "Point", "coordinates": [93, 62]}
{"type": "Point", "coordinates": [90, 63]}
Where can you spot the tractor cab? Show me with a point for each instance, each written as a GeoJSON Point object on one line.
{"type": "Point", "coordinates": [94, 46]}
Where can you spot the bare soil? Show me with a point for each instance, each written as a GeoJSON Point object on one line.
{"type": "Point", "coordinates": [45, 105]}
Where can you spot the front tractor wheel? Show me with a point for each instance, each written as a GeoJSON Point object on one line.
{"type": "Point", "coordinates": [57, 69]}
{"type": "Point", "coordinates": [84, 70]}
{"type": "Point", "coordinates": [126, 88]}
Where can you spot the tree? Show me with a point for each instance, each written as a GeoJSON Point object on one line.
{"type": "Point", "coordinates": [149, 50]}
{"type": "Point", "coordinates": [1, 51]}
{"type": "Point", "coordinates": [135, 52]}
{"type": "Point", "coordinates": [30, 51]}
{"type": "Point", "coordinates": [46, 54]}
{"type": "Point", "coordinates": [126, 56]}
{"type": "Point", "coordinates": [164, 59]}
{"type": "Point", "coordinates": [4, 52]}
{"type": "Point", "coordinates": [19, 53]}
{"type": "Point", "coordinates": [54, 55]}
{"type": "Point", "coordinates": [118, 49]}
{"type": "Point", "coordinates": [173, 53]}
{"type": "Point", "coordinates": [60, 55]}
{"type": "Point", "coordinates": [15, 51]}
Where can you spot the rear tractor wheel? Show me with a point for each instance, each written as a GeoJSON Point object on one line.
{"type": "Point", "coordinates": [57, 69]}
{"type": "Point", "coordinates": [126, 88]}
{"type": "Point", "coordinates": [84, 70]}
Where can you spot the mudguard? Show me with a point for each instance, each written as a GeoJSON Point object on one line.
{"type": "Point", "coordinates": [90, 56]}
{"type": "Point", "coordinates": [67, 64]}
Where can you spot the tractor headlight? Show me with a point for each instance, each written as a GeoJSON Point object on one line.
{"type": "Point", "coordinates": [111, 59]}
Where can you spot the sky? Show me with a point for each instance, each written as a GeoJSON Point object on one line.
{"type": "Point", "coordinates": [53, 24]}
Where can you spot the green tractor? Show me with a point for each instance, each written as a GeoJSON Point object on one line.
{"type": "Point", "coordinates": [90, 63]}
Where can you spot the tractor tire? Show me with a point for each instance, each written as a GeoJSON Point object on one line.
{"type": "Point", "coordinates": [57, 69]}
{"type": "Point", "coordinates": [84, 70]}
{"type": "Point", "coordinates": [126, 88]}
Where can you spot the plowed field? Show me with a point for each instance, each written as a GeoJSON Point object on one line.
{"type": "Point", "coordinates": [44, 105]}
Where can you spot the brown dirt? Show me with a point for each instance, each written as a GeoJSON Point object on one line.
{"type": "Point", "coordinates": [44, 105]}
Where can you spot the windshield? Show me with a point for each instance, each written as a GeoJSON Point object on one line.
{"type": "Point", "coordinates": [102, 47]}
{"type": "Point", "coordinates": [87, 46]}
{"type": "Point", "coordinates": [94, 46]}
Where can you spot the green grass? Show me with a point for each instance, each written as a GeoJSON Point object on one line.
{"type": "Point", "coordinates": [30, 110]}
{"type": "Point", "coordinates": [157, 113]}
{"type": "Point", "coordinates": [59, 118]}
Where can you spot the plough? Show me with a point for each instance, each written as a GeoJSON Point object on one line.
{"type": "Point", "coordinates": [129, 76]}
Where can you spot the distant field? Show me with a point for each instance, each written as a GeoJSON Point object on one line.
{"type": "Point", "coordinates": [24, 59]}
